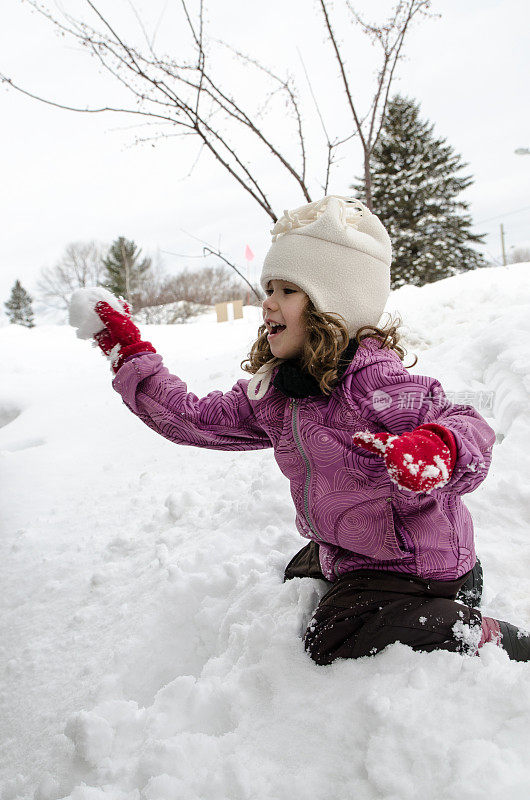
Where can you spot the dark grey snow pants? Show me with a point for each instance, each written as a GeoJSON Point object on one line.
{"type": "Point", "coordinates": [366, 610]}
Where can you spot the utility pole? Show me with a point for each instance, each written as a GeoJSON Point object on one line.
{"type": "Point", "coordinates": [503, 247]}
{"type": "Point", "coordinates": [125, 260]}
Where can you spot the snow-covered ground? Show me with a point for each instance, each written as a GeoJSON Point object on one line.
{"type": "Point", "coordinates": [149, 649]}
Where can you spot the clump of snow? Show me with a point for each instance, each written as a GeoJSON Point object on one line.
{"type": "Point", "coordinates": [92, 736]}
{"type": "Point", "coordinates": [82, 315]}
{"type": "Point", "coordinates": [412, 466]}
{"type": "Point", "coordinates": [442, 470]}
{"type": "Point", "coordinates": [151, 648]}
{"type": "Point", "coordinates": [430, 471]}
{"type": "Point", "coordinates": [372, 440]}
{"type": "Point", "coordinates": [469, 635]}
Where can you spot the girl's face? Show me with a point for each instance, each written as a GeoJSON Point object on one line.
{"type": "Point", "coordinates": [284, 304]}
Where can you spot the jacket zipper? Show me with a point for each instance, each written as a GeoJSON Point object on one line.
{"type": "Point", "coordinates": [407, 546]}
{"type": "Point", "coordinates": [298, 443]}
{"type": "Point", "coordinates": [293, 406]}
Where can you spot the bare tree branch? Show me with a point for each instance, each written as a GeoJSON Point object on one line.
{"type": "Point", "coordinates": [217, 254]}
{"type": "Point", "coordinates": [390, 36]}
{"type": "Point", "coordinates": [112, 45]}
{"type": "Point", "coordinates": [188, 94]}
{"type": "Point", "coordinates": [9, 81]}
{"type": "Point", "coordinates": [331, 146]}
{"type": "Point", "coordinates": [283, 86]}
{"type": "Point", "coordinates": [342, 68]}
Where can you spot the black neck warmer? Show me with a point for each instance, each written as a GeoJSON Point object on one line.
{"type": "Point", "coordinates": [293, 381]}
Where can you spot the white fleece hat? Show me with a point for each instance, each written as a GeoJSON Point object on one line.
{"type": "Point", "coordinates": [338, 253]}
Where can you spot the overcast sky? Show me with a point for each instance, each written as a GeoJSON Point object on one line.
{"type": "Point", "coordinates": [75, 177]}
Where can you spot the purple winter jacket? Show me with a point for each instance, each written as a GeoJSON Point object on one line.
{"type": "Point", "coordinates": [343, 495]}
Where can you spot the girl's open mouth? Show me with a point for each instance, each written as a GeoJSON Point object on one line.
{"type": "Point", "coordinates": [276, 331]}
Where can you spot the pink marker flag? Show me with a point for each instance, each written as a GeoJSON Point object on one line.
{"type": "Point", "coordinates": [249, 255]}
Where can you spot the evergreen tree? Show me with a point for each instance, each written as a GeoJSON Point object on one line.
{"type": "Point", "coordinates": [414, 189]}
{"type": "Point", "coordinates": [18, 308]}
{"type": "Point", "coordinates": [125, 270]}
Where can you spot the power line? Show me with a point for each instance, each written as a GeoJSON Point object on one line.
{"type": "Point", "coordinates": [500, 216]}
{"type": "Point", "coordinates": [180, 255]}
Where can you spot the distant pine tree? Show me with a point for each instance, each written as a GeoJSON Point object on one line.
{"type": "Point", "coordinates": [124, 269]}
{"type": "Point", "coordinates": [18, 308]}
{"type": "Point", "coordinates": [414, 189]}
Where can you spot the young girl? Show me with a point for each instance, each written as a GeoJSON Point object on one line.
{"type": "Point", "coordinates": [378, 459]}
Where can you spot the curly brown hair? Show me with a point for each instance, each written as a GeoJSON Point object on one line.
{"type": "Point", "coordinates": [327, 339]}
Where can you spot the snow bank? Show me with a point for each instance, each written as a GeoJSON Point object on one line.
{"type": "Point", "coordinates": [150, 648]}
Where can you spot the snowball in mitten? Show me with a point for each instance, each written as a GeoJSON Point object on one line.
{"type": "Point", "coordinates": [82, 314]}
{"type": "Point", "coordinates": [419, 461]}
{"type": "Point", "coordinates": [120, 337]}
{"type": "Point", "coordinates": [99, 315]}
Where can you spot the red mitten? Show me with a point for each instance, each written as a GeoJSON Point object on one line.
{"type": "Point", "coordinates": [120, 337]}
{"type": "Point", "coordinates": [419, 461]}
